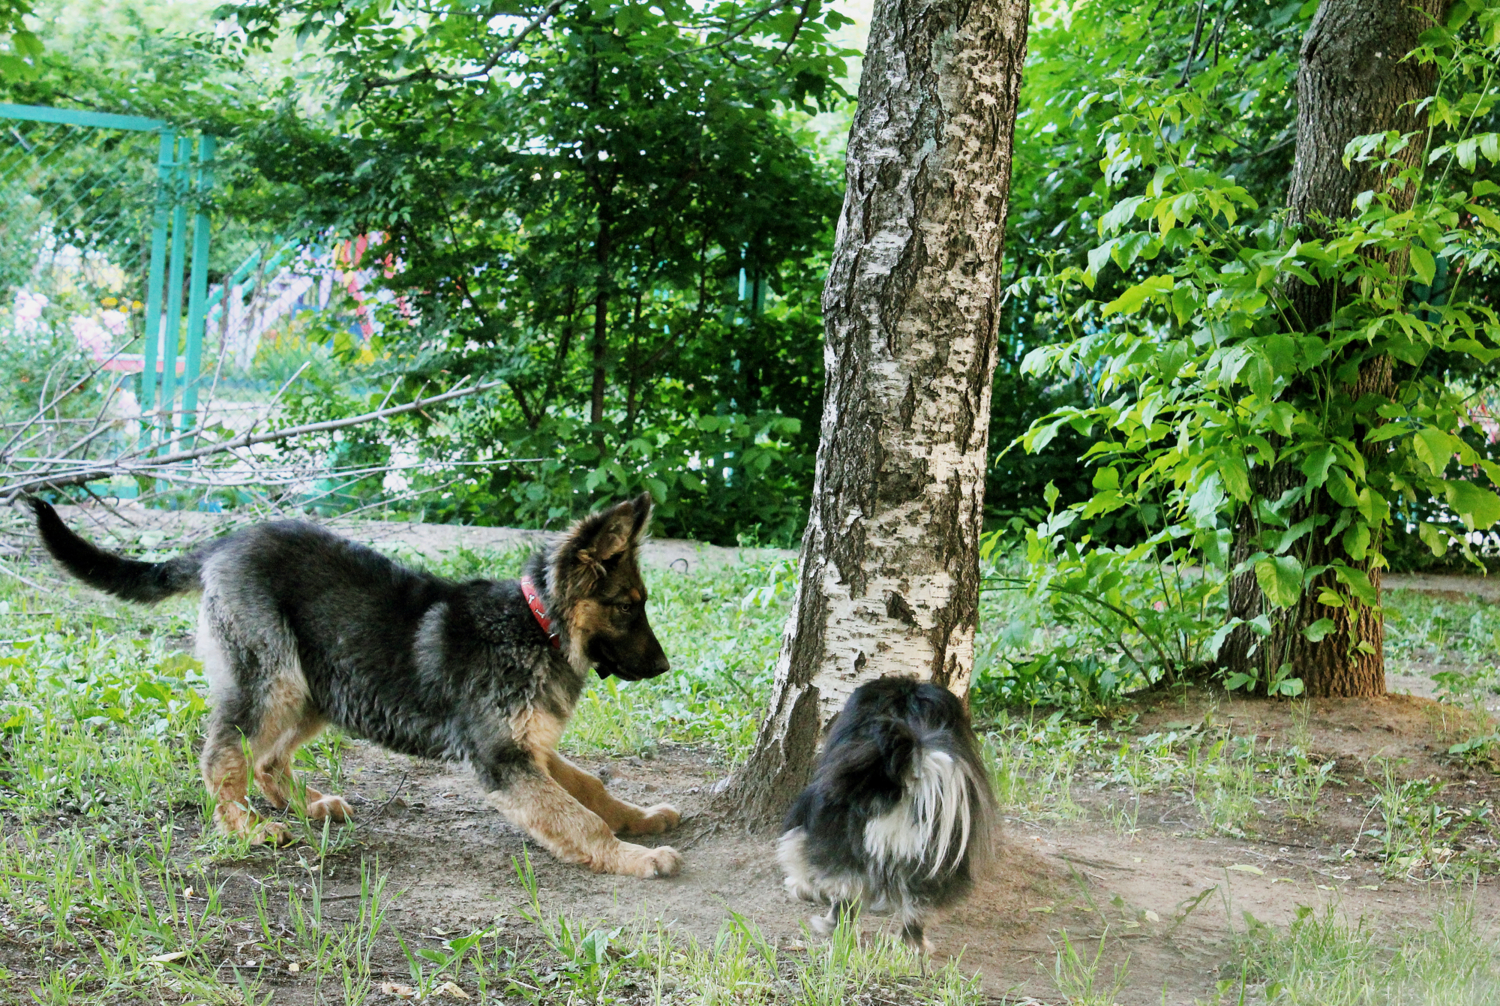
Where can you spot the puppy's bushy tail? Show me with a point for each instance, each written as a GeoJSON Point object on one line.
{"type": "Point", "coordinates": [946, 816]}
{"type": "Point", "coordinates": [114, 574]}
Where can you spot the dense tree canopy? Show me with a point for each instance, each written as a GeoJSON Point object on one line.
{"type": "Point", "coordinates": [609, 208]}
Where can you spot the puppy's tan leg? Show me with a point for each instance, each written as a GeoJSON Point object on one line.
{"type": "Point", "coordinates": [538, 805]}
{"type": "Point", "coordinates": [622, 818]}
{"type": "Point", "coordinates": [273, 766]}
{"type": "Point", "coordinates": [227, 776]}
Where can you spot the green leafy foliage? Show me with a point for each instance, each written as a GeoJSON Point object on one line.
{"type": "Point", "coordinates": [1203, 379]}
{"type": "Point", "coordinates": [616, 214]}
{"type": "Point", "coordinates": [1128, 617]}
{"type": "Point", "coordinates": [19, 46]}
{"type": "Point", "coordinates": [1237, 70]}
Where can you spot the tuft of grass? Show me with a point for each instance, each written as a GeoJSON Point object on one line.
{"type": "Point", "coordinates": [1222, 779]}
{"type": "Point", "coordinates": [1323, 959]}
{"type": "Point", "coordinates": [1080, 976]}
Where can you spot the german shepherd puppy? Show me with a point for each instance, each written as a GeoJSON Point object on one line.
{"type": "Point", "coordinates": [899, 813]}
{"type": "Point", "coordinates": [299, 628]}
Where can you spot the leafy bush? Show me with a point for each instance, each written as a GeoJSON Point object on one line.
{"type": "Point", "coordinates": [1247, 428]}
{"type": "Point", "coordinates": [1098, 621]}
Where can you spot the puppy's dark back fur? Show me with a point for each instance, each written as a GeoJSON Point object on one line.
{"type": "Point", "coordinates": [391, 653]}
{"type": "Point", "coordinates": [410, 660]}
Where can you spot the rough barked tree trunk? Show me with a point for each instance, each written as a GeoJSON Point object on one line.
{"type": "Point", "coordinates": [1354, 80]}
{"type": "Point", "coordinates": [889, 577]}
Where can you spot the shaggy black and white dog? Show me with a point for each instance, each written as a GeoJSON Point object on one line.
{"type": "Point", "coordinates": [299, 628]}
{"type": "Point", "coordinates": [899, 814]}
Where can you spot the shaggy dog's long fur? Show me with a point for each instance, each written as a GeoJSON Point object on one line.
{"type": "Point", "coordinates": [299, 628]}
{"type": "Point", "coordinates": [899, 813]}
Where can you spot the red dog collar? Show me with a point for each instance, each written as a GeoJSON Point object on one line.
{"type": "Point", "coordinates": [539, 610]}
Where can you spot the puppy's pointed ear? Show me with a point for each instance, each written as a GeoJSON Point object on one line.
{"type": "Point", "coordinates": [594, 541]}
{"type": "Point", "coordinates": [642, 507]}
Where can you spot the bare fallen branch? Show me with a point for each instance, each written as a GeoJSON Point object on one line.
{"type": "Point", "coordinates": [128, 466]}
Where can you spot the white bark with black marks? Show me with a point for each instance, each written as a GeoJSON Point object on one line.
{"type": "Point", "coordinates": [889, 577]}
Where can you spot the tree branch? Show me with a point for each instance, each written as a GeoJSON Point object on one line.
{"type": "Point", "coordinates": [59, 480]}
{"type": "Point", "coordinates": [372, 83]}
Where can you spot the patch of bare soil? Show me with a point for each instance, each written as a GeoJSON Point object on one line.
{"type": "Point", "coordinates": [1161, 902]}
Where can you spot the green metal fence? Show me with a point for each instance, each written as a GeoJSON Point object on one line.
{"type": "Point", "coordinates": [107, 217]}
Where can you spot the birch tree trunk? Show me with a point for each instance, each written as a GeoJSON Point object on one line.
{"type": "Point", "coordinates": [1354, 80]}
{"type": "Point", "coordinates": [889, 575]}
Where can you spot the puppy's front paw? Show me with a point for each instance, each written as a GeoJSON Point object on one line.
{"type": "Point", "coordinates": [331, 806]}
{"type": "Point", "coordinates": [662, 817]}
{"type": "Point", "coordinates": [665, 860]}
{"type": "Point", "coordinates": [638, 861]}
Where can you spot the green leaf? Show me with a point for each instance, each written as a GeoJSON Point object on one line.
{"type": "Point", "coordinates": [1280, 579]}
{"type": "Point", "coordinates": [1359, 584]}
{"type": "Point", "coordinates": [1357, 541]}
{"type": "Point", "coordinates": [1435, 448]}
{"type": "Point", "coordinates": [1050, 494]}
{"type": "Point", "coordinates": [1315, 465]}
{"type": "Point", "coordinates": [1433, 538]}
{"type": "Point", "coordinates": [1107, 478]}
{"type": "Point", "coordinates": [1341, 487]}
{"type": "Point", "coordinates": [1478, 507]}
{"type": "Point", "coordinates": [1422, 264]}
{"type": "Point", "coordinates": [1120, 214]}
{"type": "Point", "coordinates": [1134, 298]}
{"type": "Point", "coordinates": [1290, 687]}
{"type": "Point", "coordinates": [1486, 216]}
{"type": "Point", "coordinates": [1489, 146]}
{"type": "Point", "coordinates": [1204, 505]}
{"type": "Point", "coordinates": [1236, 478]}
{"type": "Point", "coordinates": [1386, 432]}
{"type": "Point", "coordinates": [1237, 680]}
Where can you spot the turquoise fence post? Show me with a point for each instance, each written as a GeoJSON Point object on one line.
{"type": "Point", "coordinates": [157, 277]}
{"type": "Point", "coordinates": [197, 285]}
{"type": "Point", "coordinates": [174, 284]}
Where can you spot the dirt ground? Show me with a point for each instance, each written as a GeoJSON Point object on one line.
{"type": "Point", "coordinates": [452, 860]}
{"type": "Point", "coordinates": [1162, 901]}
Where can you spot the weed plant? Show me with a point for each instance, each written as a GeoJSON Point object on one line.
{"type": "Point", "coordinates": [1325, 959]}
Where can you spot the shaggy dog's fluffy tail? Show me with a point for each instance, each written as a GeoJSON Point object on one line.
{"type": "Point", "coordinates": [899, 814]}
{"type": "Point", "coordinates": [127, 578]}
{"type": "Point", "coordinates": [942, 817]}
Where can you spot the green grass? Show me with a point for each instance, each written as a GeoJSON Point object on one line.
{"type": "Point", "coordinates": [1325, 959]}
{"type": "Point", "coordinates": [107, 892]}
{"type": "Point", "coordinates": [108, 888]}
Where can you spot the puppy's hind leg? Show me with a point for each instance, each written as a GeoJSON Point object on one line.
{"type": "Point", "coordinates": [226, 773]}
{"type": "Point", "coordinates": [273, 768]}
{"type": "Point", "coordinates": [623, 818]}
